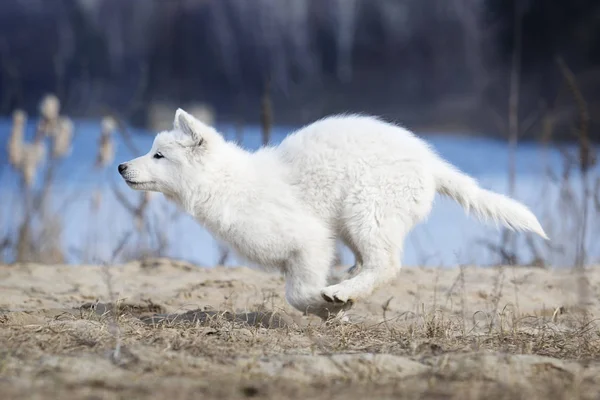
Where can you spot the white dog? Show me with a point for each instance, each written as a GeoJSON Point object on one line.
{"type": "Point", "coordinates": [353, 178]}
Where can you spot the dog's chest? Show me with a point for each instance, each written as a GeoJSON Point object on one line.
{"type": "Point", "coordinates": [248, 234]}
{"type": "Point", "coordinates": [219, 219]}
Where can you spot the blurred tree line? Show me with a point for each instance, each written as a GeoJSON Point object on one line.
{"type": "Point", "coordinates": [432, 64]}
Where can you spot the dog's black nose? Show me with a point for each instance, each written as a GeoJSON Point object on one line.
{"type": "Point", "coordinates": [122, 168]}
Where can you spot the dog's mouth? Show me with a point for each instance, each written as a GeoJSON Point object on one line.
{"type": "Point", "coordinates": [137, 184]}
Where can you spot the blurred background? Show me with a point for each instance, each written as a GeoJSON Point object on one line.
{"type": "Point", "coordinates": [507, 90]}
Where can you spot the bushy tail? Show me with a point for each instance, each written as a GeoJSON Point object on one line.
{"type": "Point", "coordinates": [484, 204]}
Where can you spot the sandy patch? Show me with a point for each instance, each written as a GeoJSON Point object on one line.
{"type": "Point", "coordinates": [187, 332]}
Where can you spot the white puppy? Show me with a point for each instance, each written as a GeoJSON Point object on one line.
{"type": "Point", "coordinates": [353, 178]}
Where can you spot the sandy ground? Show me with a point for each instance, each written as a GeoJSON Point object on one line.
{"type": "Point", "coordinates": [186, 332]}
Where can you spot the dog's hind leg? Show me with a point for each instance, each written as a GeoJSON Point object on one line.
{"type": "Point", "coordinates": [358, 258]}
{"type": "Point", "coordinates": [378, 239]}
{"type": "Point", "coordinates": [338, 276]}
{"type": "Point", "coordinates": [379, 268]}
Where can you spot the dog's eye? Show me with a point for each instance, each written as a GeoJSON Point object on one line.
{"type": "Point", "coordinates": [158, 156]}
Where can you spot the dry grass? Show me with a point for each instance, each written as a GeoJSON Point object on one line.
{"type": "Point", "coordinates": [70, 356]}
{"type": "Point", "coordinates": [267, 351]}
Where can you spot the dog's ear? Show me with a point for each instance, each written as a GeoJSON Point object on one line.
{"type": "Point", "coordinates": [189, 125]}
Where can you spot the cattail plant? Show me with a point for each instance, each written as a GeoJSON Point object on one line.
{"type": "Point", "coordinates": [17, 135]}
{"type": "Point", "coordinates": [62, 138]}
{"type": "Point", "coordinates": [59, 130]}
{"type": "Point", "coordinates": [106, 151]}
{"type": "Point", "coordinates": [50, 108]}
{"type": "Point", "coordinates": [55, 126]}
{"type": "Point", "coordinates": [105, 154]}
{"type": "Point", "coordinates": [49, 114]}
{"type": "Point", "coordinates": [32, 157]}
{"type": "Point", "coordinates": [28, 157]}
{"type": "Point", "coordinates": [34, 153]}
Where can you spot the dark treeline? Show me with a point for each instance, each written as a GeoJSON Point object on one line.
{"type": "Point", "coordinates": [433, 64]}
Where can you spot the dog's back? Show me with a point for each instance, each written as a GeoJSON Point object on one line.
{"type": "Point", "coordinates": [334, 160]}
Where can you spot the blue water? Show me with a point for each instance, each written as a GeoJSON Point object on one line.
{"type": "Point", "coordinates": [448, 237]}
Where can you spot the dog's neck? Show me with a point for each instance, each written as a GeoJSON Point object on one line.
{"type": "Point", "coordinates": [221, 186]}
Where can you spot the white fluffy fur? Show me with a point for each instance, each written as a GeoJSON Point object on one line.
{"type": "Point", "coordinates": [353, 178]}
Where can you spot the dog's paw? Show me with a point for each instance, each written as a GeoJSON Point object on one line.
{"type": "Point", "coordinates": [331, 295]}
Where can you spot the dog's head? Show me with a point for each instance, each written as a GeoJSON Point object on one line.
{"type": "Point", "coordinates": [177, 158]}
